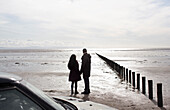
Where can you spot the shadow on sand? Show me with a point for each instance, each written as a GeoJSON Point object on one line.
{"type": "Point", "coordinates": [84, 98]}
{"type": "Point", "coordinates": [162, 108]}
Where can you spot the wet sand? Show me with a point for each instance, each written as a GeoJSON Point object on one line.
{"type": "Point", "coordinates": [48, 72]}
{"type": "Point", "coordinates": [106, 88]}
{"type": "Point", "coordinates": [165, 72]}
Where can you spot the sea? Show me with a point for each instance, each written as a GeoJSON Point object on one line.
{"type": "Point", "coordinates": [152, 63]}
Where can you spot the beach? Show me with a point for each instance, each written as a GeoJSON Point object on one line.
{"type": "Point", "coordinates": [47, 70]}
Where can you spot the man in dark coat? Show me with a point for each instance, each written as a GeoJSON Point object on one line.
{"type": "Point", "coordinates": [85, 69]}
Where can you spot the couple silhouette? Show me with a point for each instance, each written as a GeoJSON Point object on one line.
{"type": "Point", "coordinates": [74, 75]}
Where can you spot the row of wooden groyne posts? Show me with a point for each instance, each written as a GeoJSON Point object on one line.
{"type": "Point", "coordinates": [130, 77]}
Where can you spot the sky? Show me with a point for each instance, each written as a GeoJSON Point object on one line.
{"type": "Point", "coordinates": [85, 23]}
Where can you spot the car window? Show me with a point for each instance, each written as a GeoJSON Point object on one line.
{"type": "Point", "coordinates": [12, 99]}
{"type": "Point", "coordinates": [41, 94]}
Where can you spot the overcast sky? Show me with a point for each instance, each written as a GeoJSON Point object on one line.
{"type": "Point", "coordinates": [85, 23]}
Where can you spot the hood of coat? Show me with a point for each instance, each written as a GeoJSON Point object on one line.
{"type": "Point", "coordinates": [88, 55]}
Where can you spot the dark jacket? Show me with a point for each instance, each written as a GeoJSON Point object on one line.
{"type": "Point", "coordinates": [74, 71]}
{"type": "Point", "coordinates": [86, 65]}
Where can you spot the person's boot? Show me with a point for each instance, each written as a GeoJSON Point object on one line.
{"type": "Point", "coordinates": [88, 91]}
{"type": "Point", "coordinates": [76, 92]}
{"type": "Point", "coordinates": [85, 92]}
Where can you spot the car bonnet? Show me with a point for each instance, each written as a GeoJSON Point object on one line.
{"type": "Point", "coordinates": [85, 105]}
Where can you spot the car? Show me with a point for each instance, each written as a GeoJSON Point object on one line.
{"type": "Point", "coordinates": [18, 94]}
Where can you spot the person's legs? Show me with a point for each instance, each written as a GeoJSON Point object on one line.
{"type": "Point", "coordinates": [87, 85]}
{"type": "Point", "coordinates": [76, 92]}
{"type": "Point", "coordinates": [87, 89]}
{"type": "Point", "coordinates": [72, 85]}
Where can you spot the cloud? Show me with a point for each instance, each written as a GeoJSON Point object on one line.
{"type": "Point", "coordinates": [2, 22]}
{"type": "Point", "coordinates": [33, 43]}
{"type": "Point", "coordinates": [86, 22]}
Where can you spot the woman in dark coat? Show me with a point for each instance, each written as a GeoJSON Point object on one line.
{"type": "Point", "coordinates": [74, 75]}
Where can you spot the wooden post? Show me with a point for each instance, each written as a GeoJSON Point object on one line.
{"type": "Point", "coordinates": [130, 76]}
{"type": "Point", "coordinates": [150, 89]}
{"type": "Point", "coordinates": [123, 73]}
{"type": "Point", "coordinates": [116, 67]}
{"type": "Point", "coordinates": [143, 85]}
{"type": "Point", "coordinates": [159, 95]}
{"type": "Point", "coordinates": [133, 79]}
{"type": "Point", "coordinates": [113, 65]}
{"type": "Point", "coordinates": [120, 74]}
{"type": "Point", "coordinates": [138, 82]}
{"type": "Point", "coordinates": [119, 69]}
{"type": "Point", "coordinates": [127, 75]}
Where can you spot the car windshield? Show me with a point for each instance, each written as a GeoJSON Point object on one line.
{"type": "Point", "coordinates": [41, 94]}
{"type": "Point", "coordinates": [16, 100]}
